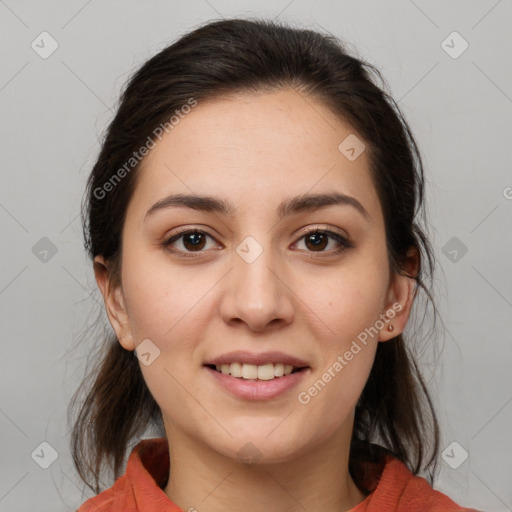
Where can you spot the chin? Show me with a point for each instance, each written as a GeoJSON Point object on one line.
{"type": "Point", "coordinates": [258, 447]}
{"type": "Point", "coordinates": [255, 453]}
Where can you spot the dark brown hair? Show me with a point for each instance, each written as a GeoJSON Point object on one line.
{"type": "Point", "coordinates": [394, 413]}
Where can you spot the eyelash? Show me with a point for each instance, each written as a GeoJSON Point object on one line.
{"type": "Point", "coordinates": [344, 243]}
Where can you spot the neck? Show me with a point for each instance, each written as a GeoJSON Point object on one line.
{"type": "Point", "coordinates": [201, 478]}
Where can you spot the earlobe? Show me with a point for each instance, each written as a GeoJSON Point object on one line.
{"type": "Point", "coordinates": [114, 303]}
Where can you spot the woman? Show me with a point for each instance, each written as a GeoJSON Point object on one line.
{"type": "Point", "coordinates": [252, 219]}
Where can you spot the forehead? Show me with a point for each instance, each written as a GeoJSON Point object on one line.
{"type": "Point", "coordinates": [257, 148]}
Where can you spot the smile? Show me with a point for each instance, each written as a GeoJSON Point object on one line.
{"type": "Point", "coordinates": [252, 371]}
{"type": "Point", "coordinates": [250, 386]}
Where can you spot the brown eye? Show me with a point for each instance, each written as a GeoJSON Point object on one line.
{"type": "Point", "coordinates": [317, 241]}
{"type": "Point", "coordinates": [193, 240]}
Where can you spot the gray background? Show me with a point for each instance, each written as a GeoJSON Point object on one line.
{"type": "Point", "coordinates": [54, 111]}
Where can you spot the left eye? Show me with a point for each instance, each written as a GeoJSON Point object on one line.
{"type": "Point", "coordinates": [318, 239]}
{"type": "Point", "coordinates": [194, 240]}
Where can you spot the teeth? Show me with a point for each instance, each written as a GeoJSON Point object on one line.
{"type": "Point", "coordinates": [234, 369]}
{"type": "Point", "coordinates": [265, 372]}
{"type": "Point", "coordinates": [253, 371]}
{"type": "Point", "coordinates": [249, 371]}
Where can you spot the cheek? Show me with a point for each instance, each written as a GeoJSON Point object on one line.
{"type": "Point", "coordinates": [330, 400]}
{"type": "Point", "coordinates": [348, 341]}
{"type": "Point", "coordinates": [348, 300]}
{"type": "Point", "coordinates": [165, 305]}
{"type": "Point", "coordinates": [160, 296]}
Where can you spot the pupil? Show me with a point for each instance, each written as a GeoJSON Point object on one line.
{"type": "Point", "coordinates": [320, 238]}
{"type": "Point", "coordinates": [196, 238]}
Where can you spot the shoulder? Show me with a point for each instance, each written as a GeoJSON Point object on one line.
{"type": "Point", "coordinates": [140, 486]}
{"type": "Point", "coordinates": [103, 502]}
{"type": "Point", "coordinates": [114, 499]}
{"type": "Point", "coordinates": [399, 489]}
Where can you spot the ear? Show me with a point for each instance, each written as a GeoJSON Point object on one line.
{"type": "Point", "coordinates": [401, 293]}
{"type": "Point", "coordinates": [114, 303]}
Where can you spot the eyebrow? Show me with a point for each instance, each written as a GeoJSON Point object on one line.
{"type": "Point", "coordinates": [288, 207]}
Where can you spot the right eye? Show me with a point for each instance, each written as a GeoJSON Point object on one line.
{"type": "Point", "coordinates": [193, 240]}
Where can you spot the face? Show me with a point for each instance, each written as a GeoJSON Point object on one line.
{"type": "Point", "coordinates": [256, 279]}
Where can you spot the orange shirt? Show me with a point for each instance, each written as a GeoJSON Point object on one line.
{"type": "Point", "coordinates": [147, 470]}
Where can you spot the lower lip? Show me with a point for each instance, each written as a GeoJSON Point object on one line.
{"type": "Point", "coordinates": [254, 389]}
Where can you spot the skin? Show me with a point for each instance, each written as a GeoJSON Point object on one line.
{"type": "Point", "coordinates": [254, 151]}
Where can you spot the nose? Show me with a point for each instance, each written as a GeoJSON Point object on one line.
{"type": "Point", "coordinates": [256, 294]}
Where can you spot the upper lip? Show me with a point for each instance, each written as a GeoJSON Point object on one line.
{"type": "Point", "coordinates": [258, 359]}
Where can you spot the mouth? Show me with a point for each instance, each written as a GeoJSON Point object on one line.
{"type": "Point", "coordinates": [263, 372]}
{"type": "Point", "coordinates": [252, 382]}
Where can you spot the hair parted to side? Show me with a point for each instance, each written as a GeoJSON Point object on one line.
{"type": "Point", "coordinates": [394, 413]}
